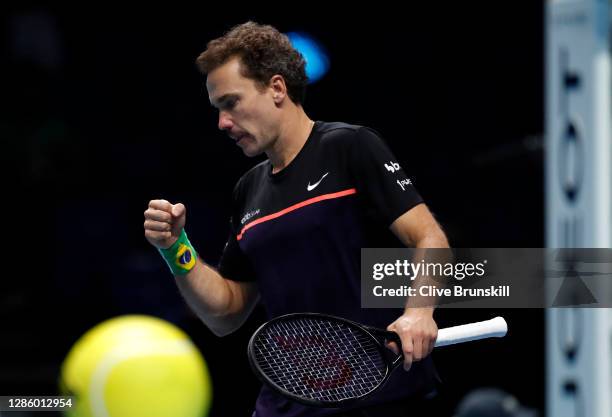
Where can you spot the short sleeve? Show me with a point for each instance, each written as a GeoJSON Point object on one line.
{"type": "Point", "coordinates": [234, 264]}
{"type": "Point", "coordinates": [380, 178]}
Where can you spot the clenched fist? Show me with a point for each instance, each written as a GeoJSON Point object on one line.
{"type": "Point", "coordinates": [164, 222]}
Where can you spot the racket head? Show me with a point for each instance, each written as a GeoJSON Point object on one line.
{"type": "Point", "coordinates": [320, 360]}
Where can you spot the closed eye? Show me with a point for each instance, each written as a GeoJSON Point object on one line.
{"type": "Point", "coordinates": [226, 102]}
{"type": "Point", "coordinates": [230, 104]}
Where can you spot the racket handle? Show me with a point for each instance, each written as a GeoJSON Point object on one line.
{"type": "Point", "coordinates": [496, 327]}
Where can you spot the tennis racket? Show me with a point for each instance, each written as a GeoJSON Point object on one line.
{"type": "Point", "coordinates": [327, 361]}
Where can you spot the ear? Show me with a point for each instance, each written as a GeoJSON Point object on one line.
{"type": "Point", "coordinates": [278, 88]}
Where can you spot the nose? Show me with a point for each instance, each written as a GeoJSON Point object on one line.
{"type": "Point", "coordinates": [225, 123]}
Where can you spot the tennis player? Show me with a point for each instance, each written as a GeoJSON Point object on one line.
{"type": "Point", "coordinates": [301, 217]}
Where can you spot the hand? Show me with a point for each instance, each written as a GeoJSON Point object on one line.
{"type": "Point", "coordinates": [164, 223]}
{"type": "Point", "coordinates": [417, 331]}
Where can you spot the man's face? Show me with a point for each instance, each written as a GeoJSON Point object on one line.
{"type": "Point", "coordinates": [248, 114]}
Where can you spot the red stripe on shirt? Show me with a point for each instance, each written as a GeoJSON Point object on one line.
{"type": "Point", "coordinates": [295, 207]}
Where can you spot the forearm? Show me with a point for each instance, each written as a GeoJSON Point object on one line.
{"type": "Point", "coordinates": [435, 239]}
{"type": "Point", "coordinates": [416, 327]}
{"type": "Point", "coordinates": [222, 304]}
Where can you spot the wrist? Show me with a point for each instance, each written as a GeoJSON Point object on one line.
{"type": "Point", "coordinates": [419, 311]}
{"type": "Point", "coordinates": [180, 256]}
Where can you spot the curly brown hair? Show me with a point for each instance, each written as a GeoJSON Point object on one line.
{"type": "Point", "coordinates": [263, 52]}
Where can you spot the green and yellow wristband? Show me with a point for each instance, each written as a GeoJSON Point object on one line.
{"type": "Point", "coordinates": [181, 256]}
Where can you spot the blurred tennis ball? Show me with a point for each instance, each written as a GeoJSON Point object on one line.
{"type": "Point", "coordinates": [136, 366]}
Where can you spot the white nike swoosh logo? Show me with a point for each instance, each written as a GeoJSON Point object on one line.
{"type": "Point", "coordinates": [313, 186]}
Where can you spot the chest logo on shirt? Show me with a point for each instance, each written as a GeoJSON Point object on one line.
{"type": "Point", "coordinates": [250, 214]}
{"type": "Point", "coordinates": [316, 184]}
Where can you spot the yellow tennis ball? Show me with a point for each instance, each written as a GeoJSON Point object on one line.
{"type": "Point", "coordinates": [136, 366]}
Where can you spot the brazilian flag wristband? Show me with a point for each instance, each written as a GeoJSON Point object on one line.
{"type": "Point", "coordinates": [181, 256]}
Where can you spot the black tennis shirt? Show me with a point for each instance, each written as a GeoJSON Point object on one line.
{"type": "Point", "coordinates": [299, 234]}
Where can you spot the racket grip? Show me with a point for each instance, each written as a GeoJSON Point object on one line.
{"type": "Point", "coordinates": [496, 327]}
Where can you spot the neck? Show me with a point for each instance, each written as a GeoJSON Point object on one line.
{"type": "Point", "coordinates": [293, 135]}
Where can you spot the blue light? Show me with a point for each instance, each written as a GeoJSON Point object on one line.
{"type": "Point", "coordinates": [317, 62]}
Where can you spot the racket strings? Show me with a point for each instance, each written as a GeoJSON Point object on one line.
{"type": "Point", "coordinates": [320, 360]}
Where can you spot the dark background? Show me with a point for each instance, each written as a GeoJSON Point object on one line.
{"type": "Point", "coordinates": [103, 110]}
